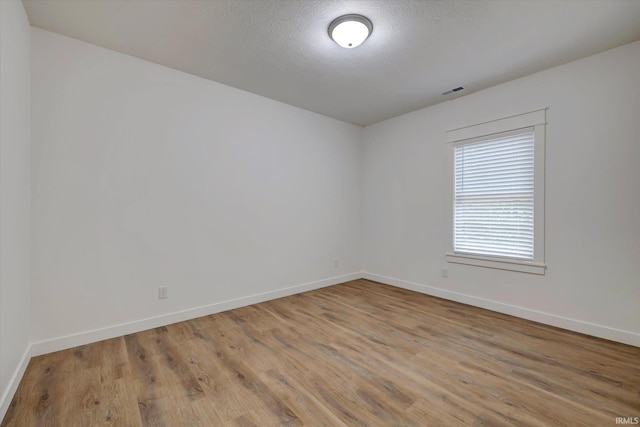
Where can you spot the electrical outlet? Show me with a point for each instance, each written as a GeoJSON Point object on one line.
{"type": "Point", "coordinates": [445, 273]}
{"type": "Point", "coordinates": [336, 263]}
{"type": "Point", "coordinates": [163, 292]}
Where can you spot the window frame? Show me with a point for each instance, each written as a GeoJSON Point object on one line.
{"type": "Point", "coordinates": [536, 120]}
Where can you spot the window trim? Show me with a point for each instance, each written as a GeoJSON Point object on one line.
{"type": "Point", "coordinates": [536, 120]}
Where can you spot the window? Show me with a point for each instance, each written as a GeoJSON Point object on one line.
{"type": "Point", "coordinates": [497, 200]}
{"type": "Point", "coordinates": [493, 196]}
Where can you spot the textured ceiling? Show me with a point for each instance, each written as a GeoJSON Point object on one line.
{"type": "Point", "coordinates": [280, 48]}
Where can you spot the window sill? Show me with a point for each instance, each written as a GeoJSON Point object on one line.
{"type": "Point", "coordinates": [501, 264]}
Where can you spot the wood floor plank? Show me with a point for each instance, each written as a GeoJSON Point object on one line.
{"type": "Point", "coordinates": [224, 400]}
{"type": "Point", "coordinates": [356, 354]}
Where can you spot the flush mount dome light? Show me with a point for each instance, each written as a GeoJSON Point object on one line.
{"type": "Point", "coordinates": [350, 31]}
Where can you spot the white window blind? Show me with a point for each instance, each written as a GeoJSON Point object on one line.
{"type": "Point", "coordinates": [494, 196]}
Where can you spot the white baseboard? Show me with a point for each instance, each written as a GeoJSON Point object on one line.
{"type": "Point", "coordinates": [87, 337]}
{"type": "Point", "coordinates": [593, 329]}
{"type": "Point", "coordinates": [7, 395]}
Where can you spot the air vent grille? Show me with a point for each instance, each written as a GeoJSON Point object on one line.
{"type": "Point", "coordinates": [450, 91]}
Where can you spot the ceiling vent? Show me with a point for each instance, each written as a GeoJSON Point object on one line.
{"type": "Point", "coordinates": [450, 91]}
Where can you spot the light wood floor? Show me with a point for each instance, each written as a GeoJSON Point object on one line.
{"type": "Point", "coordinates": [359, 353]}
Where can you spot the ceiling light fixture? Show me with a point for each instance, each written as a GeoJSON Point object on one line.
{"type": "Point", "coordinates": [350, 31]}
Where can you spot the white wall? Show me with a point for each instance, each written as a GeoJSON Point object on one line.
{"type": "Point", "coordinates": [592, 198]}
{"type": "Point", "coordinates": [145, 176]}
{"type": "Point", "coordinates": [15, 204]}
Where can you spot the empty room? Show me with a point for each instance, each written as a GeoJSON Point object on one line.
{"type": "Point", "coordinates": [319, 213]}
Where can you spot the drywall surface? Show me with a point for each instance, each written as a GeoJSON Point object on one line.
{"type": "Point", "coordinates": [592, 283]}
{"type": "Point", "coordinates": [15, 203]}
{"type": "Point", "coordinates": [146, 177]}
